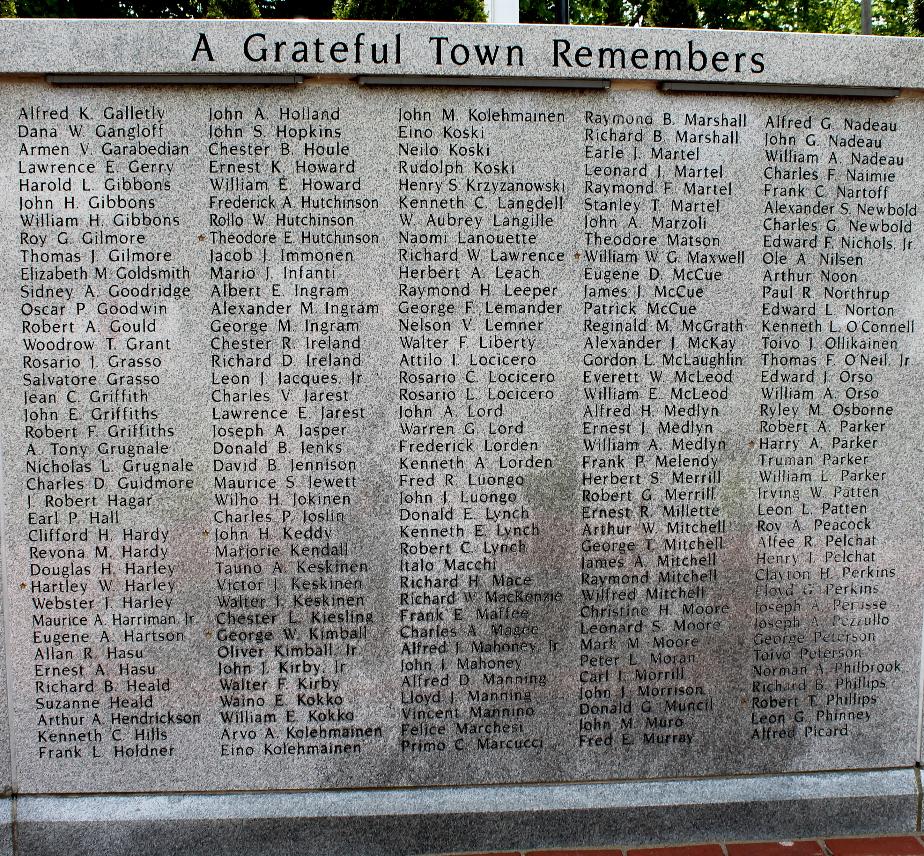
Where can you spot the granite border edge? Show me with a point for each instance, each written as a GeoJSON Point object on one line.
{"type": "Point", "coordinates": [411, 821]}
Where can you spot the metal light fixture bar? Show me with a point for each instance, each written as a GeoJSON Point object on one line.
{"type": "Point", "coordinates": [175, 79]}
{"type": "Point", "coordinates": [779, 89]}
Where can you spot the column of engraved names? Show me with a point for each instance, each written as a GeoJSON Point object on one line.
{"type": "Point", "coordinates": [474, 305]}
{"type": "Point", "coordinates": [514, 385]}
{"type": "Point", "coordinates": [830, 568]}
{"type": "Point", "coordinates": [331, 236]}
{"type": "Point", "coordinates": [866, 338]}
{"type": "Point", "coordinates": [292, 604]}
{"type": "Point", "coordinates": [832, 349]}
{"type": "Point", "coordinates": [432, 571]}
{"type": "Point", "coordinates": [660, 361]}
{"type": "Point", "coordinates": [245, 310]}
{"type": "Point", "coordinates": [100, 288]}
{"type": "Point", "coordinates": [790, 374]}
{"type": "Point", "coordinates": [697, 156]}
{"type": "Point", "coordinates": [619, 338]}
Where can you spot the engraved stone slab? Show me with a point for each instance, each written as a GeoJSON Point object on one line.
{"type": "Point", "coordinates": [426, 436]}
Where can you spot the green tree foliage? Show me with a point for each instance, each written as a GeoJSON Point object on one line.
{"type": "Point", "coordinates": [410, 10]}
{"type": "Point", "coordinates": [612, 12]}
{"type": "Point", "coordinates": [70, 9]}
{"type": "Point", "coordinates": [672, 13]}
{"type": "Point", "coordinates": [537, 12]}
{"type": "Point", "coordinates": [890, 17]}
{"type": "Point", "coordinates": [137, 8]}
{"type": "Point", "coordinates": [232, 9]}
{"type": "Point", "coordinates": [297, 9]}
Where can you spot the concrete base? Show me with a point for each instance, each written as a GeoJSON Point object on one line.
{"type": "Point", "coordinates": [431, 820]}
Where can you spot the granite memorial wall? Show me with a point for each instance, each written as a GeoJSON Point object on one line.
{"type": "Point", "coordinates": [559, 426]}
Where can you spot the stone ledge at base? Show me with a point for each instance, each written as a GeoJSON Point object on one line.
{"type": "Point", "coordinates": [402, 822]}
{"type": "Point", "coordinates": [6, 827]}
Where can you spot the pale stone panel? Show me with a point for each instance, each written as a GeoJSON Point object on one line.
{"type": "Point", "coordinates": [361, 436]}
